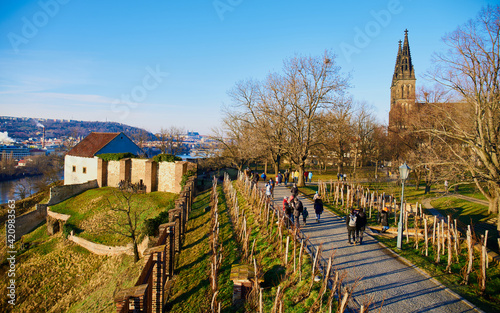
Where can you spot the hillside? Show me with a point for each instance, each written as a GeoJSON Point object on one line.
{"type": "Point", "coordinates": [22, 128]}
{"type": "Point", "coordinates": [54, 274]}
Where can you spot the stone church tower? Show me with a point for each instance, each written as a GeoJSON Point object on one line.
{"type": "Point", "coordinates": [402, 88]}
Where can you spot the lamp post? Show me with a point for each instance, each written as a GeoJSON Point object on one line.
{"type": "Point", "coordinates": [404, 170]}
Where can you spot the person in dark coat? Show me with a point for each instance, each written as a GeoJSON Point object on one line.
{"type": "Point", "coordinates": [384, 219]}
{"type": "Point", "coordinates": [297, 210]}
{"type": "Point", "coordinates": [318, 208]}
{"type": "Point", "coordinates": [294, 190]}
{"type": "Point", "coordinates": [350, 222]}
{"type": "Point", "coordinates": [360, 225]}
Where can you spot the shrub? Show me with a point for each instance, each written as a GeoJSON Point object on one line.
{"type": "Point", "coordinates": [166, 158]}
{"type": "Point", "coordinates": [186, 176]}
{"type": "Point", "coordinates": [116, 156]}
{"type": "Point", "coordinates": [151, 225]}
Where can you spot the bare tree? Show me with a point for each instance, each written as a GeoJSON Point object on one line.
{"type": "Point", "coordinates": [470, 130]}
{"type": "Point", "coordinates": [125, 219]}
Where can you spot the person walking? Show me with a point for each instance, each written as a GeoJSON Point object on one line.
{"type": "Point", "coordinates": [271, 182]}
{"type": "Point", "coordinates": [287, 209]}
{"type": "Point", "coordinates": [318, 208]}
{"type": "Point", "coordinates": [279, 179]}
{"type": "Point", "coordinates": [384, 219]}
{"type": "Point", "coordinates": [297, 211]}
{"type": "Point", "coordinates": [294, 190]}
{"type": "Point", "coordinates": [263, 176]}
{"type": "Point", "coordinates": [286, 177]}
{"type": "Point", "coordinates": [360, 225]}
{"type": "Point", "coordinates": [310, 176]}
{"type": "Point", "coordinates": [268, 190]}
{"type": "Point", "coordinates": [296, 176]}
{"type": "Point", "coordinates": [351, 226]}
{"type": "Point", "coordinates": [305, 214]}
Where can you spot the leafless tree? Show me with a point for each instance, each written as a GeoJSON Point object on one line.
{"type": "Point", "coordinates": [470, 129]}
{"type": "Point", "coordinates": [125, 219]}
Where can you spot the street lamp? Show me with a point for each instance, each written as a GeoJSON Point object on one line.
{"type": "Point", "coordinates": [404, 171]}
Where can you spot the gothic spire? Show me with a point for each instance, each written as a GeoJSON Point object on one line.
{"type": "Point", "coordinates": [404, 65]}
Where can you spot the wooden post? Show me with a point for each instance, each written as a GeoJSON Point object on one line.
{"type": "Point", "coordinates": [425, 234]}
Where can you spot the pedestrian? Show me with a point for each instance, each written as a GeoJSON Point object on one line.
{"type": "Point", "coordinates": [287, 210]}
{"type": "Point", "coordinates": [360, 225]}
{"type": "Point", "coordinates": [351, 226]}
{"type": "Point", "coordinates": [446, 187]}
{"type": "Point", "coordinates": [279, 179]}
{"type": "Point", "coordinates": [286, 176]}
{"type": "Point", "coordinates": [291, 204]}
{"type": "Point", "coordinates": [316, 196]}
{"type": "Point", "coordinates": [296, 176]}
{"type": "Point", "coordinates": [263, 176]}
{"type": "Point", "coordinates": [318, 208]}
{"type": "Point", "coordinates": [268, 190]}
{"type": "Point", "coordinates": [305, 176]}
{"type": "Point", "coordinates": [255, 179]}
{"type": "Point", "coordinates": [384, 219]}
{"type": "Point", "coordinates": [294, 190]}
{"type": "Point", "coordinates": [310, 176]}
{"type": "Point", "coordinates": [271, 182]}
{"type": "Point", "coordinates": [305, 214]}
{"type": "Point", "coordinates": [297, 210]}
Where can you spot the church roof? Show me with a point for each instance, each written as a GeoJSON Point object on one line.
{"type": "Point", "coordinates": [91, 144]}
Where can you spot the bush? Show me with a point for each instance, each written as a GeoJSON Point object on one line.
{"type": "Point", "coordinates": [116, 156]}
{"type": "Point", "coordinates": [186, 176]}
{"type": "Point", "coordinates": [67, 228]}
{"type": "Point", "coordinates": [166, 158]}
{"type": "Point", "coordinates": [151, 225]}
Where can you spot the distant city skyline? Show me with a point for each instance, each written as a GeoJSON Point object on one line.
{"type": "Point", "coordinates": [163, 64]}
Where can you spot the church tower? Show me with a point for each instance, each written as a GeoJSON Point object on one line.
{"type": "Point", "coordinates": [402, 88]}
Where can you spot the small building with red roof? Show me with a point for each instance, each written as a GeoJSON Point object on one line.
{"type": "Point", "coordinates": [81, 162]}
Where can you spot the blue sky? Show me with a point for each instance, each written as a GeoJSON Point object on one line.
{"type": "Point", "coordinates": [155, 64]}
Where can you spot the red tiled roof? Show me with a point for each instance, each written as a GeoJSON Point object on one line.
{"type": "Point", "coordinates": [91, 144]}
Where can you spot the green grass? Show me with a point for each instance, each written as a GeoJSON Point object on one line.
{"type": "Point", "coordinates": [489, 301]}
{"type": "Point", "coordinates": [465, 211]}
{"type": "Point", "coordinates": [90, 212]}
{"type": "Point", "coordinates": [191, 287]}
{"type": "Point", "coordinates": [54, 274]}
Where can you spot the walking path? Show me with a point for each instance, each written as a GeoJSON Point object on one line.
{"type": "Point", "coordinates": [384, 277]}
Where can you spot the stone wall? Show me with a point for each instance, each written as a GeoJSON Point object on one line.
{"type": "Point", "coordinates": [150, 293]}
{"type": "Point", "coordinates": [113, 173]}
{"type": "Point", "coordinates": [29, 221]}
{"type": "Point", "coordinates": [61, 193]}
{"type": "Point", "coordinates": [163, 176]}
{"type": "Point", "coordinates": [170, 175]}
{"type": "Point", "coordinates": [100, 249]}
{"type": "Point", "coordinates": [138, 171]}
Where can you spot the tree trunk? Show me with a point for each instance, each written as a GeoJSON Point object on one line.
{"type": "Point", "coordinates": [301, 183]}
{"type": "Point", "coordinates": [136, 250]}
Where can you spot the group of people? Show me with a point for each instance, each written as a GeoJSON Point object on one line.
{"type": "Point", "coordinates": [356, 223]}
{"type": "Point", "coordinates": [293, 207]}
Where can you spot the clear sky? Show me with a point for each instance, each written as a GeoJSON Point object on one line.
{"type": "Point", "coordinates": [156, 64]}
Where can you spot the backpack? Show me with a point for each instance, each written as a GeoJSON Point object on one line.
{"type": "Point", "coordinates": [352, 220]}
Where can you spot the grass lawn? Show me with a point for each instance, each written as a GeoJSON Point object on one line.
{"type": "Point", "coordinates": [465, 211]}
{"type": "Point", "coordinates": [56, 275]}
{"type": "Point", "coordinates": [90, 212]}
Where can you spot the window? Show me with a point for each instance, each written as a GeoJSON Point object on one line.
{"type": "Point", "coordinates": [84, 170]}
{"type": "Point", "coordinates": [74, 169]}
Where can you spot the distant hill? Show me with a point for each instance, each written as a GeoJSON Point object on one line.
{"type": "Point", "coordinates": [23, 128]}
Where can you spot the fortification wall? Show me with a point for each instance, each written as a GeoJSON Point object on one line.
{"type": "Point", "coordinates": [100, 249]}
{"type": "Point", "coordinates": [29, 221]}
{"type": "Point", "coordinates": [61, 193]}
{"type": "Point", "coordinates": [138, 170]}
{"type": "Point", "coordinates": [113, 173]}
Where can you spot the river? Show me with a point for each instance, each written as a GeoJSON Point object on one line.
{"type": "Point", "coordinates": [8, 188]}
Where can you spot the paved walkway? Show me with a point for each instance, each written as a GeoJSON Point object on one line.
{"type": "Point", "coordinates": [386, 279]}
